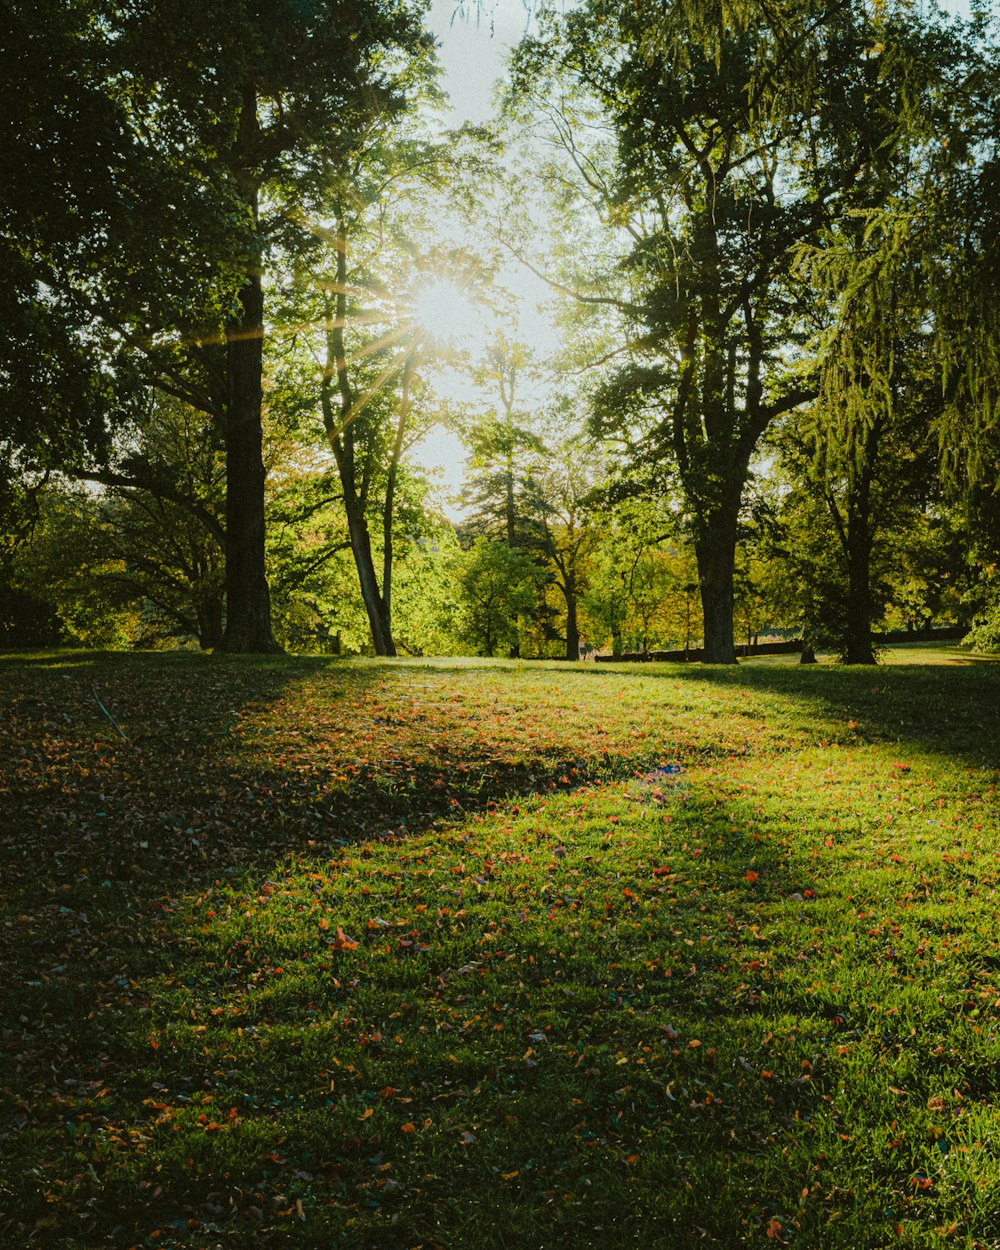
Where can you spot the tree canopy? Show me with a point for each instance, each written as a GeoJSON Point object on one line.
{"type": "Point", "coordinates": [769, 235]}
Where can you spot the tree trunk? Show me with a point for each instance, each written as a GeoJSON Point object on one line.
{"type": "Point", "coordinates": [856, 535]}
{"type": "Point", "coordinates": [510, 508]}
{"type": "Point", "coordinates": [859, 645]}
{"type": "Point", "coordinates": [375, 605]}
{"type": "Point", "coordinates": [248, 599]}
{"type": "Point", "coordinates": [715, 551]}
{"type": "Point", "coordinates": [572, 626]}
{"type": "Point", "coordinates": [341, 435]}
{"type": "Point", "coordinates": [210, 622]}
{"type": "Point", "coordinates": [390, 497]}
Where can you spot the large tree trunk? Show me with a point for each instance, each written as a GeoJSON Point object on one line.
{"type": "Point", "coordinates": [715, 551]}
{"type": "Point", "coordinates": [248, 599]}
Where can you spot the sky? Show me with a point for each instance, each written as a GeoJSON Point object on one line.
{"type": "Point", "coordinates": [472, 53]}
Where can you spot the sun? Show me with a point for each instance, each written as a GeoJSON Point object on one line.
{"type": "Point", "coordinates": [445, 314]}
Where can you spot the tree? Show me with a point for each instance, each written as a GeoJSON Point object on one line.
{"type": "Point", "coordinates": [978, 508]}
{"type": "Point", "coordinates": [363, 347]}
{"type": "Point", "coordinates": [63, 584]}
{"type": "Point", "coordinates": [880, 392]}
{"type": "Point", "coordinates": [642, 584]}
{"type": "Point", "coordinates": [497, 584]}
{"type": "Point", "coordinates": [566, 483]}
{"type": "Point", "coordinates": [69, 172]}
{"type": "Point", "coordinates": [958, 234]}
{"type": "Point", "coordinates": [26, 619]}
{"type": "Point", "coordinates": [605, 603]}
{"type": "Point", "coordinates": [501, 493]}
{"type": "Point", "coordinates": [732, 146]}
{"type": "Point", "coordinates": [169, 535]}
{"type": "Point", "coordinates": [221, 126]}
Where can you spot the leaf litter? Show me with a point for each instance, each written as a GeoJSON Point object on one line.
{"type": "Point", "coordinates": [355, 953]}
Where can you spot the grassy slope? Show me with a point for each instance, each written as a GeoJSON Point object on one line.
{"type": "Point", "coordinates": [363, 955]}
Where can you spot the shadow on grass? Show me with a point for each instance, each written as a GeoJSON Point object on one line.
{"type": "Point", "coordinates": [563, 1029]}
{"type": "Point", "coordinates": [564, 1089]}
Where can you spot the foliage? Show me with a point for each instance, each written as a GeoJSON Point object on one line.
{"type": "Point", "coordinates": [428, 595]}
{"type": "Point", "coordinates": [931, 573]}
{"type": "Point", "coordinates": [166, 530]}
{"type": "Point", "coordinates": [497, 586]}
{"type": "Point", "coordinates": [985, 632]}
{"type": "Point", "coordinates": [355, 368]}
{"type": "Point", "coordinates": [855, 532]}
{"type": "Point", "coordinates": [568, 490]}
{"type": "Point", "coordinates": [68, 583]}
{"type": "Point", "coordinates": [642, 586]}
{"type": "Point", "coordinates": [719, 158]}
{"type": "Point", "coordinates": [219, 131]}
{"type": "Point", "coordinates": [502, 496]}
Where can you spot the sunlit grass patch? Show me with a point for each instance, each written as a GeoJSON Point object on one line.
{"type": "Point", "coordinates": [518, 955]}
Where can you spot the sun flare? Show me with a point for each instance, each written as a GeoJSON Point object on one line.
{"type": "Point", "coordinates": [444, 313]}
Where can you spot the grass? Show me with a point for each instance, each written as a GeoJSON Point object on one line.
{"type": "Point", "coordinates": [459, 954]}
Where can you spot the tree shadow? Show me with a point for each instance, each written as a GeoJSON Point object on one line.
{"type": "Point", "coordinates": [166, 970]}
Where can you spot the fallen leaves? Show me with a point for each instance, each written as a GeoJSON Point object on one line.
{"type": "Point", "coordinates": [334, 914]}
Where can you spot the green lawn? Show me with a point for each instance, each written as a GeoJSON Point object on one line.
{"type": "Point", "coordinates": [459, 954]}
